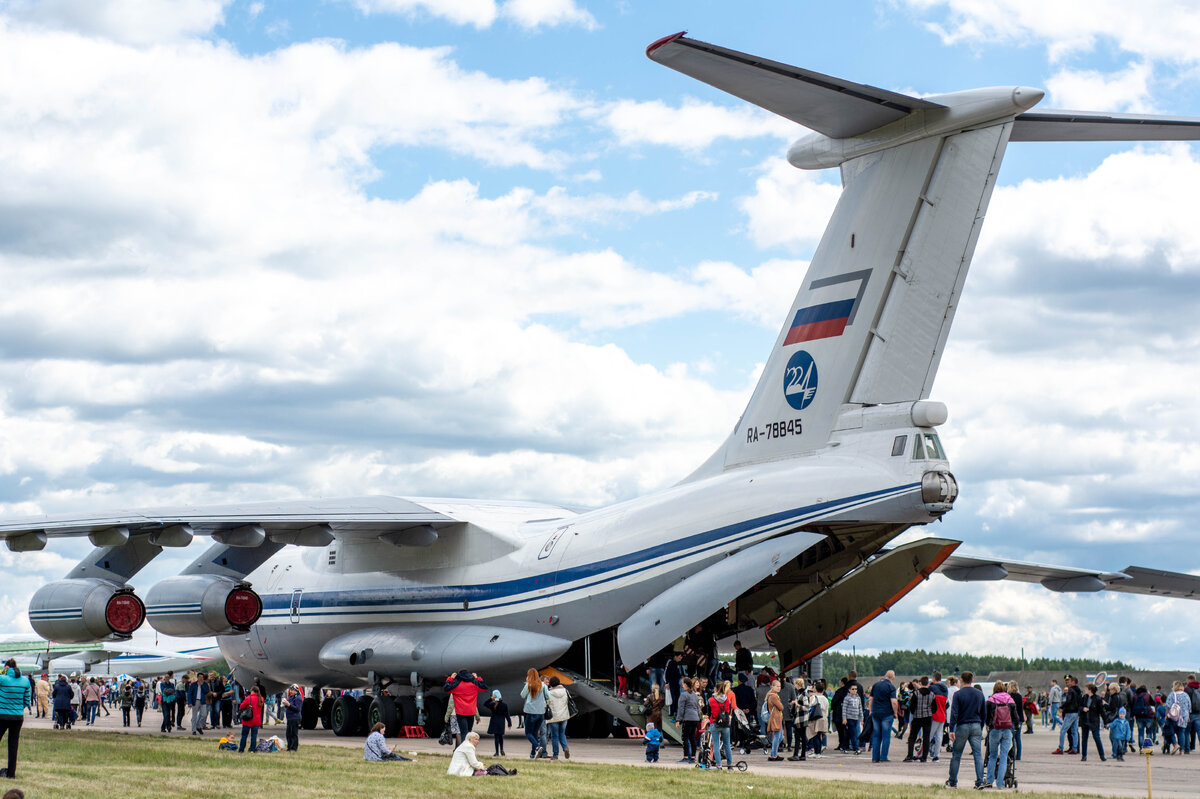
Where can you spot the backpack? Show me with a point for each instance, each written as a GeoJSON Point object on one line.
{"type": "Point", "coordinates": [168, 691]}
{"type": "Point", "coordinates": [1195, 697]}
{"type": "Point", "coordinates": [1139, 705]}
{"type": "Point", "coordinates": [1002, 717]}
{"type": "Point", "coordinates": [722, 719]}
{"type": "Point", "coordinates": [1174, 713]}
{"type": "Point", "coordinates": [815, 712]}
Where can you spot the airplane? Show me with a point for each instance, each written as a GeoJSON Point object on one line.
{"type": "Point", "coordinates": [785, 528]}
{"type": "Point", "coordinates": [111, 658]}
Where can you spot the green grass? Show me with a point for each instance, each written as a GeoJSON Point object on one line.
{"type": "Point", "coordinates": [116, 766]}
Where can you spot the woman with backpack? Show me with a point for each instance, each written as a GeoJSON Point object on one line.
{"type": "Point", "coordinates": [1143, 714]}
{"type": "Point", "coordinates": [1179, 709]}
{"type": "Point", "coordinates": [720, 716]}
{"type": "Point", "coordinates": [1000, 718]}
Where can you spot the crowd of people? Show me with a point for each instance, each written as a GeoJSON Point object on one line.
{"type": "Point", "coordinates": [934, 716]}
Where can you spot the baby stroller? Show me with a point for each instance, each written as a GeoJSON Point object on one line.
{"type": "Point", "coordinates": [1010, 768]}
{"type": "Point", "coordinates": [745, 738]}
{"type": "Point", "coordinates": [704, 756]}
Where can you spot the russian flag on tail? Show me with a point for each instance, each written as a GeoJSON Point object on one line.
{"type": "Point", "coordinates": [819, 321]}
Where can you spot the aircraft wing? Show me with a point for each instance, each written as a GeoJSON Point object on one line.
{"type": "Point", "coordinates": [1095, 126]}
{"type": "Point", "coordinates": [1130, 580]}
{"type": "Point", "coordinates": [299, 521]}
{"type": "Point", "coordinates": [829, 105]}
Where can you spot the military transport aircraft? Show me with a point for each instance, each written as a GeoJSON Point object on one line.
{"type": "Point", "coordinates": [786, 527]}
{"type": "Point", "coordinates": [35, 656]}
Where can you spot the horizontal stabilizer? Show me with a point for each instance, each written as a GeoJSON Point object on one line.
{"type": "Point", "coordinates": [1098, 126]}
{"type": "Point", "coordinates": [832, 106]}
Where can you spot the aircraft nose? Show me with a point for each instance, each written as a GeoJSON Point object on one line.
{"type": "Point", "coordinates": [1027, 96]}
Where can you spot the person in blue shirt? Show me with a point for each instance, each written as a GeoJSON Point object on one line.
{"type": "Point", "coordinates": [883, 706]}
{"type": "Point", "coordinates": [966, 726]}
{"type": "Point", "coordinates": [653, 742]}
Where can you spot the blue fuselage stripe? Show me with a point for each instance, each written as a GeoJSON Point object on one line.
{"type": "Point", "coordinates": [359, 601]}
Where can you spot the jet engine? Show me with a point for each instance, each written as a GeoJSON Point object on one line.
{"type": "Point", "coordinates": [78, 611]}
{"type": "Point", "coordinates": [195, 606]}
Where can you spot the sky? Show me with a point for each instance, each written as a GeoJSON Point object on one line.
{"type": "Point", "coordinates": [266, 250]}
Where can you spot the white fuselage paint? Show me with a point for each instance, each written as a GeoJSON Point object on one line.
{"type": "Point", "coordinates": [565, 577]}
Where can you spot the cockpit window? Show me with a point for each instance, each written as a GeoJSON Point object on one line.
{"type": "Point", "coordinates": [926, 446]}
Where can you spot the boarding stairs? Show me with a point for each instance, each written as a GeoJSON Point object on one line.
{"type": "Point", "coordinates": [627, 710]}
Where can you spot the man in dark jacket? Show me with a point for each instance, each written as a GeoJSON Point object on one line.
{"type": "Point", "coordinates": [966, 726]}
{"type": "Point", "coordinates": [61, 697]}
{"type": "Point", "coordinates": [674, 680]}
{"type": "Point", "coordinates": [1069, 710]}
{"type": "Point", "coordinates": [835, 713]}
{"type": "Point", "coordinates": [920, 706]}
{"type": "Point", "coordinates": [743, 659]}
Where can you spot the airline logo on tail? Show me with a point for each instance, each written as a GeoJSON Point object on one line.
{"type": "Point", "coordinates": [800, 380]}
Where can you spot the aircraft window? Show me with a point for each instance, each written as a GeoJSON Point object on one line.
{"type": "Point", "coordinates": [928, 447]}
{"type": "Point", "coordinates": [898, 445]}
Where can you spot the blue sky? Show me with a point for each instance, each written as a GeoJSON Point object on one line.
{"type": "Point", "coordinates": [255, 250]}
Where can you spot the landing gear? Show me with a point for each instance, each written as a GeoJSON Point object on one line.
{"type": "Point", "coordinates": [383, 708]}
{"type": "Point", "coordinates": [344, 717]}
{"type": "Point", "coordinates": [327, 713]}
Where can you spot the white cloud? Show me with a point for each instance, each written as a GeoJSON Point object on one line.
{"type": "Point", "coordinates": [1154, 29]}
{"type": "Point", "coordinates": [137, 22]}
{"type": "Point", "coordinates": [479, 13]}
{"type": "Point", "coordinates": [789, 207]}
{"type": "Point", "coordinates": [693, 125]}
{"type": "Point", "coordinates": [533, 14]}
{"type": "Point", "coordinates": [1090, 90]}
{"type": "Point", "coordinates": [934, 610]}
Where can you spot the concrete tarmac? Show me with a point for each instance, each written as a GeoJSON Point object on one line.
{"type": "Point", "coordinates": [1174, 776]}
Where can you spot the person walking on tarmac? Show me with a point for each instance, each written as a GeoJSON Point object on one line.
{"type": "Point", "coordinates": [15, 694]}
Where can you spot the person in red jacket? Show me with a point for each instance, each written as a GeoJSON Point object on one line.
{"type": "Point", "coordinates": [465, 687]}
{"type": "Point", "coordinates": [254, 703]}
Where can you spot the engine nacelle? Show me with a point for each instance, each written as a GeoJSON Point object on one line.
{"type": "Point", "coordinates": [201, 605]}
{"type": "Point", "coordinates": [81, 610]}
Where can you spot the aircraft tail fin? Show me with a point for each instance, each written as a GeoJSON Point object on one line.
{"type": "Point", "coordinates": [833, 106]}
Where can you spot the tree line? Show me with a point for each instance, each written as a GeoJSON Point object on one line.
{"type": "Point", "coordinates": [918, 661]}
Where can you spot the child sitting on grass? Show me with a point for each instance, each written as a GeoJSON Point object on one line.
{"type": "Point", "coordinates": [653, 742]}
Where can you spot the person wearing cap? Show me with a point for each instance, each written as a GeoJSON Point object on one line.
{"type": "Point", "coordinates": [500, 718]}
{"type": "Point", "coordinates": [291, 714]}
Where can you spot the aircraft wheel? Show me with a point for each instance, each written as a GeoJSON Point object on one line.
{"type": "Point", "coordinates": [344, 717]}
{"type": "Point", "coordinates": [308, 714]}
{"type": "Point", "coordinates": [435, 715]}
{"type": "Point", "coordinates": [326, 713]}
{"type": "Point", "coordinates": [383, 709]}
{"type": "Point", "coordinates": [364, 713]}
{"type": "Point", "coordinates": [407, 710]}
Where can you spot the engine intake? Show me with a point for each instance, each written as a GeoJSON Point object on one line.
{"type": "Point", "coordinates": [77, 611]}
{"type": "Point", "coordinates": [201, 605]}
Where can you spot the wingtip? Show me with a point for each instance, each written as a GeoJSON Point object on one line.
{"type": "Point", "coordinates": [660, 42]}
